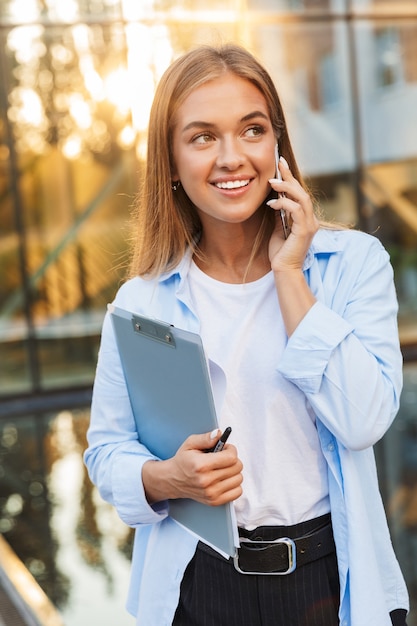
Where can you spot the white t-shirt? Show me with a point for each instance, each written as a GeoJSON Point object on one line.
{"type": "Point", "coordinates": [273, 427]}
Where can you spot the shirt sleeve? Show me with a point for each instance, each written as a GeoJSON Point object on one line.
{"type": "Point", "coordinates": [114, 457]}
{"type": "Point", "coordinates": [345, 354]}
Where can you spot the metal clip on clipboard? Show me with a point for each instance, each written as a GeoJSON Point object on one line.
{"type": "Point", "coordinates": [153, 330]}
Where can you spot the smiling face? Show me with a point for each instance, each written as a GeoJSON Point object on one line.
{"type": "Point", "coordinates": [223, 149]}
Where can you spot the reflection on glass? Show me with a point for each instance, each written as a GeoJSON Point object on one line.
{"type": "Point", "coordinates": [381, 7]}
{"type": "Point", "coordinates": [391, 196]}
{"type": "Point", "coordinates": [69, 539]}
{"type": "Point", "coordinates": [389, 70]}
{"type": "Point", "coordinates": [397, 460]}
{"type": "Point", "coordinates": [72, 113]}
{"type": "Point", "coordinates": [298, 6]}
{"type": "Point", "coordinates": [310, 68]}
{"type": "Point", "coordinates": [387, 77]}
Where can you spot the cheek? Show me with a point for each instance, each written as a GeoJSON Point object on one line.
{"type": "Point", "coordinates": [192, 168]}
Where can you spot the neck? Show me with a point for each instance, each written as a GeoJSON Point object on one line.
{"type": "Point", "coordinates": [232, 259]}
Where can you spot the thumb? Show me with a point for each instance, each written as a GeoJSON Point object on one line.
{"type": "Point", "coordinates": [205, 442]}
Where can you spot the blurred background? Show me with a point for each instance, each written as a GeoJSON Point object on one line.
{"type": "Point", "coordinates": [77, 79]}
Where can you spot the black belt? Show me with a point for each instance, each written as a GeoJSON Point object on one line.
{"type": "Point", "coordinates": [261, 555]}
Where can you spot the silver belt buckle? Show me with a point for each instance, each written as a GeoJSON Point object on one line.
{"type": "Point", "coordinates": [292, 557]}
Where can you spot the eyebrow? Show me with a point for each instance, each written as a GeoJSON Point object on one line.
{"type": "Point", "coordinates": [245, 118]}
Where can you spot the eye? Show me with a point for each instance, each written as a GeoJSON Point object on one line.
{"type": "Point", "coordinates": [202, 138]}
{"type": "Point", "coordinates": [255, 131]}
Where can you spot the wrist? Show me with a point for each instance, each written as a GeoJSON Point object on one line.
{"type": "Point", "coordinates": [286, 271]}
{"type": "Point", "coordinates": [154, 479]}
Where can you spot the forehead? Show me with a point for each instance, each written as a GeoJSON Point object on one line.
{"type": "Point", "coordinates": [223, 97]}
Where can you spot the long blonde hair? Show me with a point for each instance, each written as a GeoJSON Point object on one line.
{"type": "Point", "coordinates": [166, 222]}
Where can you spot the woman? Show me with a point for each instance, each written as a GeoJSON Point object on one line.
{"type": "Point", "coordinates": [304, 329]}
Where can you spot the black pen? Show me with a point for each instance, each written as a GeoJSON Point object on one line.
{"type": "Point", "coordinates": [221, 442]}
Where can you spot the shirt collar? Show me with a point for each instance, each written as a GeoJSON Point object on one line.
{"type": "Point", "coordinates": [325, 241]}
{"type": "Point", "coordinates": [181, 269]}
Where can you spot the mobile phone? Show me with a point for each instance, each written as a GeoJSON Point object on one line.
{"type": "Point", "coordinates": [284, 220]}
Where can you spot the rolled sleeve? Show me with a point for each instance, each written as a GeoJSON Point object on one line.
{"type": "Point", "coordinates": [128, 491]}
{"type": "Point", "coordinates": [345, 355]}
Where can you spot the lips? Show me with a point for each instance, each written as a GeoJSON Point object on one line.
{"type": "Point", "coordinates": [232, 184]}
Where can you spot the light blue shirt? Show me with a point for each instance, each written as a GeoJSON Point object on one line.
{"type": "Point", "coordinates": [344, 356]}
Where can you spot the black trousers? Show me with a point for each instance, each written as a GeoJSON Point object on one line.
{"type": "Point", "coordinates": [213, 593]}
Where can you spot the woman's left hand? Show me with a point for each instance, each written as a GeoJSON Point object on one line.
{"type": "Point", "coordinates": [289, 254]}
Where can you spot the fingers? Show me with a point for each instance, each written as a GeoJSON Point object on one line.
{"type": "Point", "coordinates": [294, 199]}
{"type": "Point", "coordinates": [209, 478]}
{"type": "Point", "coordinates": [206, 441]}
{"type": "Point", "coordinates": [219, 478]}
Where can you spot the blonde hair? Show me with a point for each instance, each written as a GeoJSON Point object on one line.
{"type": "Point", "coordinates": [165, 221]}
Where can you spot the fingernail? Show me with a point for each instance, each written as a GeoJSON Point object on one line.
{"type": "Point", "coordinates": [214, 433]}
{"type": "Point", "coordinates": [275, 180]}
{"type": "Point", "coordinates": [271, 202]}
{"type": "Point", "coordinates": [284, 162]}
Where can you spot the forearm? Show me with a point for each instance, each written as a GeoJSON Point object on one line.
{"type": "Point", "coordinates": [156, 481]}
{"type": "Point", "coordinates": [295, 297]}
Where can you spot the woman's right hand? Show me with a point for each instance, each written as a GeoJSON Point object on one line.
{"type": "Point", "coordinates": [213, 478]}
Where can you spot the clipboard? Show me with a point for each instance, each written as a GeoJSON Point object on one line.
{"type": "Point", "coordinates": [170, 393]}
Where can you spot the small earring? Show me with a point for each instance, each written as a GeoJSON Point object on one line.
{"type": "Point", "coordinates": [175, 185]}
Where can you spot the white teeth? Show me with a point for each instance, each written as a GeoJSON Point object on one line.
{"type": "Point", "coordinates": [232, 184]}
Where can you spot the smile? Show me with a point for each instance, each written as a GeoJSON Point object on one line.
{"type": "Point", "coordinates": [232, 184]}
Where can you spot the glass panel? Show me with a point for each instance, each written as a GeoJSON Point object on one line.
{"type": "Point", "coordinates": [391, 195]}
{"type": "Point", "coordinates": [14, 370]}
{"type": "Point", "coordinates": [74, 136]}
{"type": "Point", "coordinates": [397, 465]}
{"type": "Point", "coordinates": [387, 78]}
{"type": "Point", "coordinates": [298, 6]}
{"type": "Point", "coordinates": [388, 94]}
{"type": "Point", "coordinates": [56, 11]}
{"type": "Point", "coordinates": [390, 7]}
{"type": "Point", "coordinates": [203, 10]}
{"type": "Point", "coordinates": [310, 67]}
{"type": "Point", "coordinates": [71, 541]}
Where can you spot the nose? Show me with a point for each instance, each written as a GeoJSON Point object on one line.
{"type": "Point", "coordinates": [230, 155]}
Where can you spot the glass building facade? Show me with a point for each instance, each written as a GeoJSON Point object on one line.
{"type": "Point", "coordinates": [76, 82]}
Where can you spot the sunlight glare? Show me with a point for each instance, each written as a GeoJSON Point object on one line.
{"type": "Point", "coordinates": [25, 42]}
{"type": "Point", "coordinates": [126, 137]}
{"type": "Point", "coordinates": [24, 10]}
{"type": "Point", "coordinates": [92, 79]}
{"type": "Point", "coordinates": [116, 85]}
{"type": "Point", "coordinates": [72, 147]}
{"type": "Point", "coordinates": [26, 107]}
{"type": "Point", "coordinates": [134, 10]}
{"type": "Point", "coordinates": [147, 48]}
{"type": "Point", "coordinates": [142, 149]}
{"type": "Point", "coordinates": [80, 111]}
{"type": "Point", "coordinates": [63, 11]}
